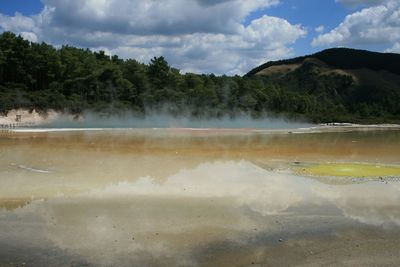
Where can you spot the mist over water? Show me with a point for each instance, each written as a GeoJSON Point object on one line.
{"type": "Point", "coordinates": [129, 120]}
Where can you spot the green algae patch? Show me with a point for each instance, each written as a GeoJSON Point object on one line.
{"type": "Point", "coordinates": [355, 170]}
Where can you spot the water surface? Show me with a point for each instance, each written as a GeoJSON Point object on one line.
{"type": "Point", "coordinates": [173, 197]}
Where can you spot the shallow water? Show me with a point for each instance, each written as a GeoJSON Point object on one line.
{"type": "Point", "coordinates": [195, 198]}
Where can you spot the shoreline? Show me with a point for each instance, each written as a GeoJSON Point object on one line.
{"type": "Point", "coordinates": [22, 120]}
{"type": "Point", "coordinates": [322, 128]}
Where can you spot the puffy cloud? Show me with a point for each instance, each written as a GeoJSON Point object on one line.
{"type": "Point", "coordinates": [30, 36]}
{"type": "Point", "coordinates": [264, 39]}
{"type": "Point", "coordinates": [320, 29]}
{"type": "Point", "coordinates": [153, 17]}
{"type": "Point", "coordinates": [374, 25]}
{"type": "Point", "coordinates": [394, 49]}
{"type": "Point", "coordinates": [194, 35]}
{"type": "Point", "coordinates": [18, 23]}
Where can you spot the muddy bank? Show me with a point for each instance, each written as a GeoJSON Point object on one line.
{"type": "Point", "coordinates": [23, 117]}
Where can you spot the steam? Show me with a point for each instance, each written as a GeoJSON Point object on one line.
{"type": "Point", "coordinates": [161, 120]}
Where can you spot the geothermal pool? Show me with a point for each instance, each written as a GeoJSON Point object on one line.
{"type": "Point", "coordinates": [199, 197]}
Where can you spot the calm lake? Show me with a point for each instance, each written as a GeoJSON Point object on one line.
{"type": "Point", "coordinates": [198, 197]}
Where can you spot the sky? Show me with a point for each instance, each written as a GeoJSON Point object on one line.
{"type": "Point", "coordinates": [207, 36]}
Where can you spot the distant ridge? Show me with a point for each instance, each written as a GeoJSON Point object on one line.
{"type": "Point", "coordinates": [344, 58]}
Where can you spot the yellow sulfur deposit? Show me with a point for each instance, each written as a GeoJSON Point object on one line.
{"type": "Point", "coordinates": [350, 170]}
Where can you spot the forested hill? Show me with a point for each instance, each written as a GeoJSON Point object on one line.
{"type": "Point", "coordinates": [345, 58]}
{"type": "Point", "coordinates": [362, 84]}
{"type": "Point", "coordinates": [334, 85]}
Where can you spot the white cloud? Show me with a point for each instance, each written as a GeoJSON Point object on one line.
{"type": "Point", "coordinates": [194, 35]}
{"type": "Point", "coordinates": [264, 39]}
{"type": "Point", "coordinates": [374, 25]}
{"type": "Point", "coordinates": [153, 17]}
{"type": "Point", "coordinates": [17, 23]}
{"type": "Point", "coordinates": [30, 36]}
{"type": "Point", "coordinates": [320, 29]}
{"type": "Point", "coordinates": [394, 49]}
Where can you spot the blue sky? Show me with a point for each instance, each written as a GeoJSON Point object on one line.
{"type": "Point", "coordinates": [220, 36]}
{"type": "Point", "coordinates": [26, 7]}
{"type": "Point", "coordinates": [311, 14]}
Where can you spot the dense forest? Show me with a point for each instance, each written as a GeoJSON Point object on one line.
{"type": "Point", "coordinates": [74, 80]}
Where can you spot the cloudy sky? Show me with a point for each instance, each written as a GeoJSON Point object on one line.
{"type": "Point", "coordinates": [207, 36]}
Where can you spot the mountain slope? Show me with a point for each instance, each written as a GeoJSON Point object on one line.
{"type": "Point", "coordinates": [357, 81]}
{"type": "Point", "coordinates": [344, 58]}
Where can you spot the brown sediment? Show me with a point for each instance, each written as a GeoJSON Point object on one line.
{"type": "Point", "coordinates": [382, 145]}
{"type": "Point", "coordinates": [14, 203]}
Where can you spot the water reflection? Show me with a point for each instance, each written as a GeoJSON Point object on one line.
{"type": "Point", "coordinates": [223, 202]}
